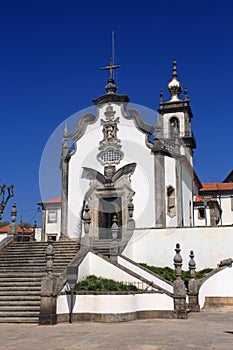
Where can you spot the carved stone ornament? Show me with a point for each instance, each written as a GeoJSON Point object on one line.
{"type": "Point", "coordinates": [110, 146]}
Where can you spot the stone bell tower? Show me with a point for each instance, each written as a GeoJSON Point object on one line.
{"type": "Point", "coordinates": [173, 151]}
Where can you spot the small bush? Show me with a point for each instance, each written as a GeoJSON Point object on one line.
{"type": "Point", "coordinates": [169, 274]}
{"type": "Point", "coordinates": [93, 283]}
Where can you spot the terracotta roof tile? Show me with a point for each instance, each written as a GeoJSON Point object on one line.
{"type": "Point", "coordinates": [216, 186]}
{"type": "Point", "coordinates": [5, 229]}
{"type": "Point", "coordinates": [54, 200]}
{"type": "Point", "coordinates": [198, 199]}
{"type": "Point", "coordinates": [202, 199]}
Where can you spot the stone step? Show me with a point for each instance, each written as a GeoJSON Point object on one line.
{"type": "Point", "coordinates": [32, 263]}
{"type": "Point", "coordinates": [11, 255]}
{"type": "Point", "coordinates": [19, 314]}
{"type": "Point", "coordinates": [20, 279]}
{"type": "Point", "coordinates": [23, 303]}
{"type": "Point", "coordinates": [22, 267]}
{"type": "Point", "coordinates": [20, 274]}
{"type": "Point", "coordinates": [19, 293]}
{"type": "Point", "coordinates": [20, 308]}
{"type": "Point", "coordinates": [36, 253]}
{"type": "Point", "coordinates": [20, 283]}
{"type": "Point", "coordinates": [38, 249]}
{"type": "Point", "coordinates": [19, 319]}
{"type": "Point", "coordinates": [6, 298]}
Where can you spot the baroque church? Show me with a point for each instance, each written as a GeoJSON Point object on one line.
{"type": "Point", "coordinates": [123, 171]}
{"type": "Point", "coordinates": [129, 196]}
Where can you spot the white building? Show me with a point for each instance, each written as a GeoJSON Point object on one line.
{"type": "Point", "coordinates": [124, 172]}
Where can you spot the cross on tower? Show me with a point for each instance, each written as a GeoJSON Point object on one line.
{"type": "Point", "coordinates": [111, 67]}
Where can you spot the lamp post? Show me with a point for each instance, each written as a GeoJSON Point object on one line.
{"type": "Point", "coordinates": [72, 276]}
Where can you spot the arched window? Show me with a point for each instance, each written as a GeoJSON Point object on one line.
{"type": "Point", "coordinates": [174, 127]}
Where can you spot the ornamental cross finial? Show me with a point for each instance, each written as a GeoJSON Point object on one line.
{"type": "Point", "coordinates": [111, 67]}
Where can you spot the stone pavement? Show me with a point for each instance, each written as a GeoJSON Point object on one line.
{"type": "Point", "coordinates": [204, 330]}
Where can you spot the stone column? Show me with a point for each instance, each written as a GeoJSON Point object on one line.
{"type": "Point", "coordinates": [179, 287]}
{"type": "Point", "coordinates": [114, 248]}
{"type": "Point", "coordinates": [48, 304]}
{"type": "Point", "coordinates": [64, 201]}
{"type": "Point", "coordinates": [64, 187]}
{"type": "Point", "coordinates": [160, 200]}
{"type": "Point", "coordinates": [193, 303]}
{"type": "Point", "coordinates": [179, 193]}
{"type": "Point", "coordinates": [43, 225]}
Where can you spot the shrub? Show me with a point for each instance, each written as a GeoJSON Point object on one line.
{"type": "Point", "coordinates": [93, 283]}
{"type": "Point", "coordinates": [169, 274]}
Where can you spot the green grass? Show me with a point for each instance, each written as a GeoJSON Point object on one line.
{"type": "Point", "coordinates": [169, 274]}
{"type": "Point", "coordinates": [93, 283]}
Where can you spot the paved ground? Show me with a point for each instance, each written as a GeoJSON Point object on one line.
{"type": "Point", "coordinates": [201, 331]}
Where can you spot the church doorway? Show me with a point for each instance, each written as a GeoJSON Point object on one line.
{"type": "Point", "coordinates": [108, 208]}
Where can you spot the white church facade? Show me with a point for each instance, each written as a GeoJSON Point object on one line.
{"type": "Point", "coordinates": [125, 174]}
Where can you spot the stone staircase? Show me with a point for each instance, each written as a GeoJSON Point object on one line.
{"type": "Point", "coordinates": [22, 266]}
{"type": "Point", "coordinates": [102, 246]}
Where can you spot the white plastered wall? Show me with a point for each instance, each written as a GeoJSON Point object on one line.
{"type": "Point", "coordinates": [227, 212]}
{"type": "Point", "coordinates": [187, 195]}
{"type": "Point", "coordinates": [156, 246]}
{"type": "Point", "coordinates": [110, 304]}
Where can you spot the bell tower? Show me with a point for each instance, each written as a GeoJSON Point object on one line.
{"type": "Point", "coordinates": [173, 151]}
{"type": "Point", "coordinates": [174, 121]}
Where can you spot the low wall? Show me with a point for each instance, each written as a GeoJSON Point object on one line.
{"type": "Point", "coordinates": [93, 264]}
{"type": "Point", "coordinates": [115, 306]}
{"type": "Point", "coordinates": [156, 246]}
{"type": "Point", "coordinates": [217, 286]}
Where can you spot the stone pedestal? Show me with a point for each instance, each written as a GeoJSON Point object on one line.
{"type": "Point", "coordinates": [179, 289]}
{"type": "Point", "coordinates": [193, 299]}
{"type": "Point", "coordinates": [180, 299]}
{"type": "Point", "coordinates": [114, 250]}
{"type": "Point", "coordinates": [48, 305]}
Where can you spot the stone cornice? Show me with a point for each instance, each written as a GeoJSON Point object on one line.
{"type": "Point", "coordinates": [83, 122]}
{"type": "Point", "coordinates": [173, 107]}
{"type": "Point", "coordinates": [140, 124]}
{"type": "Point", "coordinates": [111, 98]}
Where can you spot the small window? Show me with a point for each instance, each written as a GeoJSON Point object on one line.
{"type": "Point", "coordinates": [111, 156]}
{"type": "Point", "coordinates": [201, 212]}
{"type": "Point", "coordinates": [52, 216]}
{"type": "Point", "coordinates": [171, 201]}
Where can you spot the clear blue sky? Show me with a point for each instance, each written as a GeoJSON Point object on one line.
{"type": "Point", "coordinates": [51, 52]}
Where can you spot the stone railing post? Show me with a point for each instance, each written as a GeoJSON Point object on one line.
{"type": "Point", "coordinates": [13, 226]}
{"type": "Point", "coordinates": [179, 287]}
{"type": "Point", "coordinates": [48, 305]}
{"type": "Point", "coordinates": [114, 247]}
{"type": "Point", "coordinates": [193, 303]}
{"type": "Point", "coordinates": [86, 241]}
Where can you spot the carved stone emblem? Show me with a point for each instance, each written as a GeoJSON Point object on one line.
{"type": "Point", "coordinates": [110, 146]}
